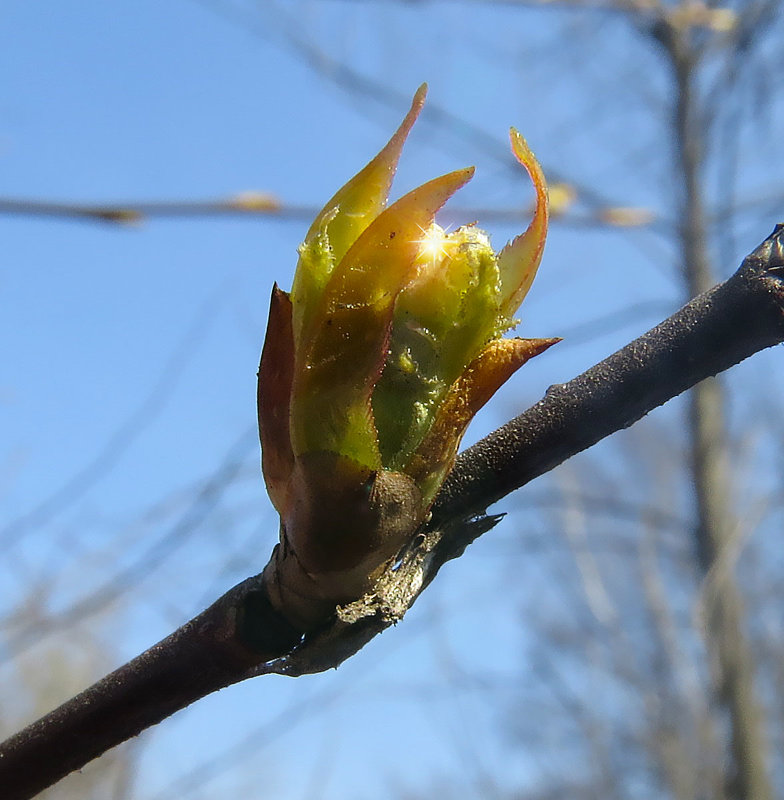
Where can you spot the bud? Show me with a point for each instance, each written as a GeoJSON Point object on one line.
{"type": "Point", "coordinates": [373, 366]}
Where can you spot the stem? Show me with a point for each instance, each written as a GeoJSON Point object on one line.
{"type": "Point", "coordinates": [711, 333]}
{"type": "Point", "coordinates": [204, 655]}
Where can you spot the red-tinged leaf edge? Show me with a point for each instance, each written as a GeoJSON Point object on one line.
{"type": "Point", "coordinates": [497, 362]}
{"type": "Point", "coordinates": [276, 374]}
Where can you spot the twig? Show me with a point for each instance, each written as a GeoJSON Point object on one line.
{"type": "Point", "coordinates": [712, 333]}
{"type": "Point", "coordinates": [241, 636]}
{"type": "Point", "coordinates": [249, 203]}
{"type": "Point", "coordinates": [253, 205]}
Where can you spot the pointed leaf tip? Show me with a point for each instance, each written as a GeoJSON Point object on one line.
{"type": "Point", "coordinates": [519, 260]}
{"type": "Point", "coordinates": [360, 200]}
{"type": "Point", "coordinates": [345, 217]}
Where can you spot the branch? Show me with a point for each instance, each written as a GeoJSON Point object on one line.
{"type": "Point", "coordinates": [712, 333]}
{"type": "Point", "coordinates": [254, 204]}
{"type": "Point", "coordinates": [241, 636]}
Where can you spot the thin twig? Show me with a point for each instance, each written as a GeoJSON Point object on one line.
{"type": "Point", "coordinates": [252, 205]}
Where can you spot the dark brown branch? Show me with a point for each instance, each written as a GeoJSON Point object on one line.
{"type": "Point", "coordinates": [202, 656]}
{"type": "Point", "coordinates": [239, 636]}
{"type": "Point", "coordinates": [710, 334]}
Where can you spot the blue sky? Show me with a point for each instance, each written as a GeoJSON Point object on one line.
{"type": "Point", "coordinates": [141, 342]}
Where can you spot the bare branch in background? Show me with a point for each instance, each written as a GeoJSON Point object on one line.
{"type": "Point", "coordinates": [247, 203]}
{"type": "Point", "coordinates": [251, 205]}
